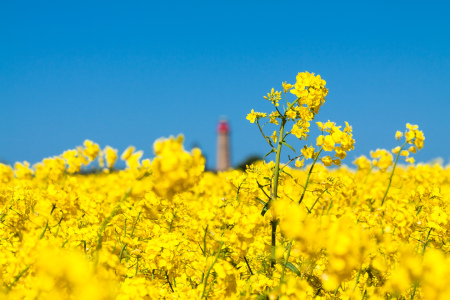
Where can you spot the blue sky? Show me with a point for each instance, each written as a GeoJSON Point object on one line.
{"type": "Point", "coordinates": [126, 74]}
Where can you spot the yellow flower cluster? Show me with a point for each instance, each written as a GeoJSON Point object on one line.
{"type": "Point", "coordinates": [273, 97]}
{"type": "Point", "coordinates": [311, 90]}
{"type": "Point", "coordinates": [311, 93]}
{"type": "Point", "coordinates": [337, 140]}
{"type": "Point", "coordinates": [174, 170]}
{"type": "Point", "coordinates": [255, 115]}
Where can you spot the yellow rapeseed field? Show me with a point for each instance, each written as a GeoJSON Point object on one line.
{"type": "Point", "coordinates": [166, 229]}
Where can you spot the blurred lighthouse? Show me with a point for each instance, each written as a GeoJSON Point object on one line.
{"type": "Point", "coordinates": [223, 146]}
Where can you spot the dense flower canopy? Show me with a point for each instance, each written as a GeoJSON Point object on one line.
{"type": "Point", "coordinates": [161, 243]}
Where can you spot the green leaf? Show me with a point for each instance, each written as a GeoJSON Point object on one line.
{"type": "Point", "coordinates": [266, 208]}
{"type": "Point", "coordinates": [286, 144]}
{"type": "Point", "coordinates": [291, 267]}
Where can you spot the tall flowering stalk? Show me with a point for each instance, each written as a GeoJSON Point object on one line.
{"type": "Point", "coordinates": [412, 136]}
{"type": "Point", "coordinates": [310, 92]}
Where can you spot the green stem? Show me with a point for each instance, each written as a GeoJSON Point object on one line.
{"type": "Point", "coordinates": [168, 281]}
{"type": "Point", "coordinates": [274, 224]}
{"type": "Point", "coordinates": [274, 221]}
{"type": "Point", "coordinates": [59, 225]}
{"type": "Point", "coordinates": [277, 160]}
{"type": "Point", "coordinates": [392, 174]}
{"type": "Point", "coordinates": [171, 221]}
{"type": "Point", "coordinates": [292, 104]}
{"type": "Point", "coordinates": [248, 265]}
{"type": "Point", "coordinates": [105, 222]}
{"type": "Point", "coordinates": [291, 160]}
{"type": "Point", "coordinates": [262, 132]}
{"type": "Point", "coordinates": [286, 261]}
{"type": "Point", "coordinates": [416, 284]}
{"type": "Point", "coordinates": [426, 241]}
{"type": "Point", "coordinates": [357, 278]}
{"type": "Point", "coordinates": [137, 266]}
{"type": "Point", "coordinates": [413, 293]}
{"type": "Point", "coordinates": [134, 225]}
{"type": "Point", "coordinates": [114, 249]}
{"type": "Point", "coordinates": [209, 290]}
{"type": "Point", "coordinates": [64, 243]}
{"type": "Point", "coordinates": [209, 271]}
{"type": "Point", "coordinates": [336, 291]}
{"type": "Point", "coordinates": [310, 210]}
{"type": "Point", "coordinates": [121, 252]}
{"type": "Point", "coordinates": [329, 207]}
{"type": "Point", "coordinates": [309, 174]}
{"type": "Point", "coordinates": [17, 278]}
{"type": "Point", "coordinates": [204, 241]}
{"type": "Point", "coordinates": [43, 232]}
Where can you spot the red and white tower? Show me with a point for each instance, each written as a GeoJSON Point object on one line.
{"type": "Point", "coordinates": [223, 146]}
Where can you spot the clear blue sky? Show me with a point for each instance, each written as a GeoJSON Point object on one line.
{"type": "Point", "coordinates": [126, 74]}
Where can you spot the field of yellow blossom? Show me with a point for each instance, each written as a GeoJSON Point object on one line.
{"type": "Point", "coordinates": [166, 229]}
